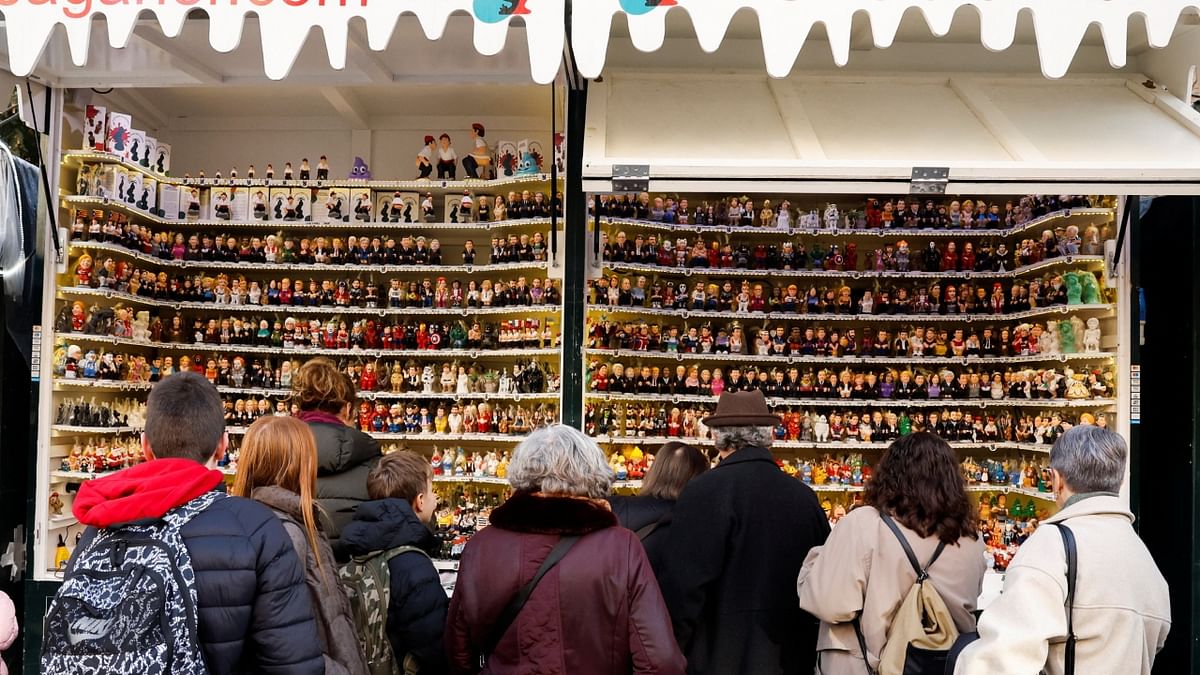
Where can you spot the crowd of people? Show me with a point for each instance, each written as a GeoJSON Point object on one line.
{"type": "Point", "coordinates": [318, 559]}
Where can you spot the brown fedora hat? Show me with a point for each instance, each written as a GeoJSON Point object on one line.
{"type": "Point", "coordinates": [742, 409]}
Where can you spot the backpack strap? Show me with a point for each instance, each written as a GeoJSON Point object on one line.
{"type": "Point", "coordinates": [922, 572]}
{"type": "Point", "coordinates": [862, 642]}
{"type": "Point", "coordinates": [1068, 538]}
{"type": "Point", "coordinates": [514, 606]}
{"type": "Point", "coordinates": [646, 530]}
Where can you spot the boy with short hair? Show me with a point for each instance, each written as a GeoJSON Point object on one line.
{"type": "Point", "coordinates": [169, 519]}
{"type": "Point", "coordinates": [403, 503]}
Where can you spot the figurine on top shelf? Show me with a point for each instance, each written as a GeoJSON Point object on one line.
{"type": "Point", "coordinates": [895, 214]}
{"type": "Point", "coordinates": [424, 161]}
{"type": "Point", "coordinates": [478, 164]}
{"type": "Point", "coordinates": [447, 160]}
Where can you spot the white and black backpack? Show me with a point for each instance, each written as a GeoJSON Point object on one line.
{"type": "Point", "coordinates": [128, 602]}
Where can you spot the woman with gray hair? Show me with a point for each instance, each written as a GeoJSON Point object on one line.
{"type": "Point", "coordinates": [556, 541]}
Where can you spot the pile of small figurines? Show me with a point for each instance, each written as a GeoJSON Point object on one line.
{"type": "Point", "coordinates": [459, 463]}
{"type": "Point", "coordinates": [877, 425]}
{"type": "Point", "coordinates": [223, 289]}
{"type": "Point", "coordinates": [72, 363]}
{"type": "Point", "coordinates": [463, 510]}
{"type": "Point", "coordinates": [853, 384]}
{"type": "Point", "coordinates": [1053, 337]}
{"type": "Point", "coordinates": [454, 418]}
{"type": "Point", "coordinates": [81, 412]}
{"type": "Point", "coordinates": [374, 249]}
{"type": "Point", "coordinates": [1075, 287]}
{"type": "Point", "coordinates": [895, 256]}
{"type": "Point", "coordinates": [102, 455]}
{"type": "Point", "coordinates": [307, 333]}
{"type": "Point", "coordinates": [1005, 523]}
{"type": "Point", "coordinates": [945, 213]}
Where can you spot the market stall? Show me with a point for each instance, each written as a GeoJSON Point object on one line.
{"type": "Point", "coordinates": [832, 154]}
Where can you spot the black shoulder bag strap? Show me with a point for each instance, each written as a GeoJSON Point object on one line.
{"type": "Point", "coordinates": [514, 606]}
{"type": "Point", "coordinates": [922, 575]}
{"type": "Point", "coordinates": [647, 530]}
{"type": "Point", "coordinates": [1068, 538]}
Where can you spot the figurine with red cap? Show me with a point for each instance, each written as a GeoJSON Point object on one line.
{"type": "Point", "coordinates": [425, 158]}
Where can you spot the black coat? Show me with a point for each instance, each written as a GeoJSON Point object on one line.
{"type": "Point", "coordinates": [252, 603]}
{"type": "Point", "coordinates": [417, 611]}
{"type": "Point", "coordinates": [344, 458]}
{"type": "Point", "coordinates": [636, 512]}
{"type": "Point", "coordinates": [739, 536]}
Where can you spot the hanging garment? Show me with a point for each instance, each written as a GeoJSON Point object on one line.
{"type": "Point", "coordinates": [18, 236]}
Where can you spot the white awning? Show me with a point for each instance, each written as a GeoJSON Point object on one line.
{"type": "Point", "coordinates": [813, 132]}
{"type": "Point", "coordinates": [33, 26]}
{"type": "Point", "coordinates": [785, 25]}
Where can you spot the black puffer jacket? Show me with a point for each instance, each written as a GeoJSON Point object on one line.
{"type": "Point", "coordinates": [344, 458]}
{"type": "Point", "coordinates": [635, 512]}
{"type": "Point", "coordinates": [417, 613]}
{"type": "Point", "coordinates": [253, 607]}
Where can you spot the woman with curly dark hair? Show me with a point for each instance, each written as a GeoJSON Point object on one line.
{"type": "Point", "coordinates": [863, 571]}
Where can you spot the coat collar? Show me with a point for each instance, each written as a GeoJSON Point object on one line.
{"type": "Point", "coordinates": [539, 513]}
{"type": "Point", "coordinates": [1100, 505]}
{"type": "Point", "coordinates": [748, 454]}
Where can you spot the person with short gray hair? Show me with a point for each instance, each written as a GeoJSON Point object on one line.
{"type": "Point", "coordinates": [1122, 608]}
{"type": "Point", "coordinates": [560, 460]}
{"type": "Point", "coordinates": [738, 537]}
{"type": "Point", "coordinates": [559, 479]}
{"type": "Point", "coordinates": [1090, 459]}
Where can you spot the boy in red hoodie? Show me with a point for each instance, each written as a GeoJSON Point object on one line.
{"type": "Point", "coordinates": [252, 607]}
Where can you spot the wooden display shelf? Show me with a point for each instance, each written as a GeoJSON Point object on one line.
{"type": "Point", "coordinates": [697, 273]}
{"type": "Point", "coordinates": [64, 384]}
{"type": "Point", "coordinates": [842, 446]}
{"type": "Point", "coordinates": [308, 269]}
{"type": "Point", "coordinates": [1069, 215]}
{"type": "Point", "coordinates": [822, 317]}
{"type": "Point", "coordinates": [75, 158]}
{"type": "Point", "coordinates": [861, 403]}
{"type": "Point", "coordinates": [436, 354]}
{"type": "Point", "coordinates": [81, 202]}
{"type": "Point", "coordinates": [932, 361]}
{"type": "Point", "coordinates": [461, 312]}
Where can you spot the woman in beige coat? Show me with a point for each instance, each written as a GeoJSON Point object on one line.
{"type": "Point", "coordinates": [863, 569]}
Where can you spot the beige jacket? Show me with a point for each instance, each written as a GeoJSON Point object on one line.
{"type": "Point", "coordinates": [863, 568]}
{"type": "Point", "coordinates": [1122, 609]}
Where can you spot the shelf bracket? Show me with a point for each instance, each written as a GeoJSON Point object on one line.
{"type": "Point", "coordinates": [929, 180]}
{"type": "Point", "coordinates": [631, 177]}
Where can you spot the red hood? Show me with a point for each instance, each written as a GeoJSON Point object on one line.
{"type": "Point", "coordinates": [144, 491]}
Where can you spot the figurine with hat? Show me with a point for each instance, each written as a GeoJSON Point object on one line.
{"type": "Point", "coordinates": [425, 158]}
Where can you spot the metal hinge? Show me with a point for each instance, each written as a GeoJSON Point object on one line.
{"type": "Point", "coordinates": [631, 177]}
{"type": "Point", "coordinates": [929, 180]}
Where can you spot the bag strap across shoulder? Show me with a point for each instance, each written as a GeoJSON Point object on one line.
{"type": "Point", "coordinates": [514, 606]}
{"type": "Point", "coordinates": [922, 572]}
{"type": "Point", "coordinates": [1068, 538]}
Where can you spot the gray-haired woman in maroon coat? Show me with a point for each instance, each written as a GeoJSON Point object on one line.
{"type": "Point", "coordinates": [598, 611]}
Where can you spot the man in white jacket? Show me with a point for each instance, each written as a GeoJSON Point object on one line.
{"type": "Point", "coordinates": [1122, 610]}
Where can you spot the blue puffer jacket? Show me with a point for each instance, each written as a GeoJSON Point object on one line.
{"type": "Point", "coordinates": [254, 612]}
{"type": "Point", "coordinates": [417, 613]}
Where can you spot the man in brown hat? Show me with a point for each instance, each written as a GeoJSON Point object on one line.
{"type": "Point", "coordinates": [737, 540]}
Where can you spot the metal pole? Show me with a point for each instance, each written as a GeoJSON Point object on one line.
{"type": "Point", "coordinates": [575, 273]}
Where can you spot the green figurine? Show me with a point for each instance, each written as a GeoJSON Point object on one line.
{"type": "Point", "coordinates": [905, 424]}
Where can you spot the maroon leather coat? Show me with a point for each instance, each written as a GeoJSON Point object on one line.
{"type": "Point", "coordinates": [599, 611]}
